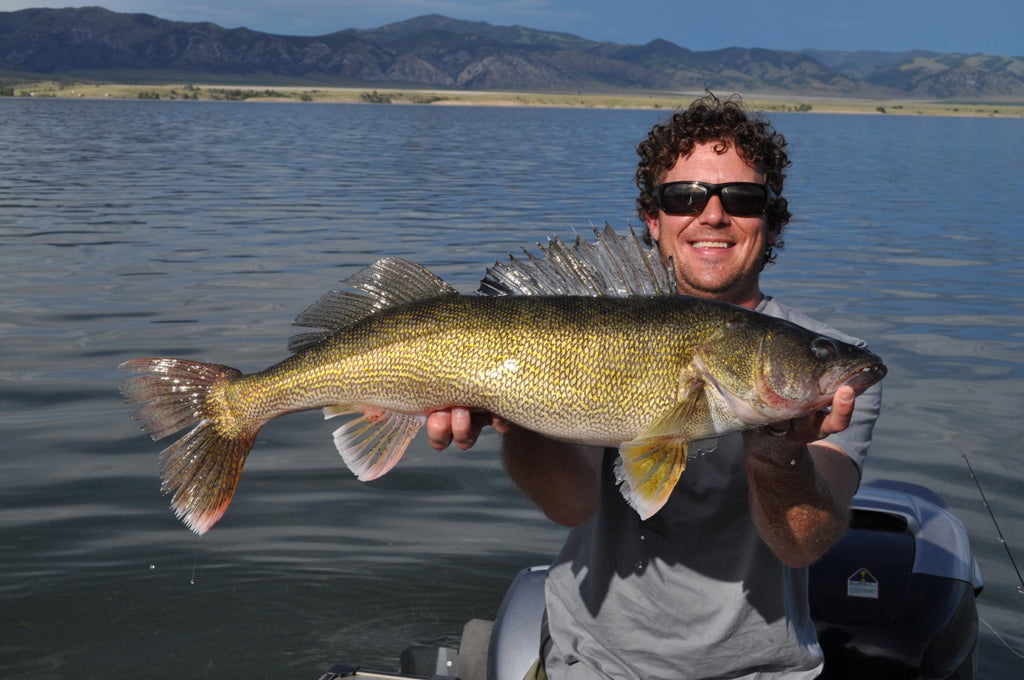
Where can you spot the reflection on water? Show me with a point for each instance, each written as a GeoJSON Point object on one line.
{"type": "Point", "coordinates": [201, 229]}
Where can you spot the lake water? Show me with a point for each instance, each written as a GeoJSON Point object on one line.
{"type": "Point", "coordinates": [132, 229]}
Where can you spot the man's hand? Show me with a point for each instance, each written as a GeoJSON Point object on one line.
{"type": "Point", "coordinates": [820, 424]}
{"type": "Point", "coordinates": [461, 425]}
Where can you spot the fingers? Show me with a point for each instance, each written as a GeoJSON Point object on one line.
{"type": "Point", "coordinates": [461, 426]}
{"type": "Point", "coordinates": [439, 429]}
{"type": "Point", "coordinates": [838, 419]}
{"type": "Point", "coordinates": [464, 430]}
{"type": "Point", "coordinates": [500, 425]}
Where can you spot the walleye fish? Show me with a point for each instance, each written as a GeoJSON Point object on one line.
{"type": "Point", "coordinates": [648, 373]}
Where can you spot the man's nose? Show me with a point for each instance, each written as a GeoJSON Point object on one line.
{"type": "Point", "coordinates": [714, 211]}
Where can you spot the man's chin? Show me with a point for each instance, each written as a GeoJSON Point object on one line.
{"type": "Point", "coordinates": [734, 289]}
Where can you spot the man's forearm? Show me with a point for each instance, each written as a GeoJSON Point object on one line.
{"type": "Point", "coordinates": [563, 479]}
{"type": "Point", "coordinates": [799, 496]}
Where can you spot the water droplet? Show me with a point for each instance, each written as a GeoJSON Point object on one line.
{"type": "Point", "coordinates": [195, 562]}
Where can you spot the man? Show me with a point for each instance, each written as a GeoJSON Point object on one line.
{"type": "Point", "coordinates": [715, 584]}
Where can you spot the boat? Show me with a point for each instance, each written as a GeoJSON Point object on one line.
{"type": "Point", "coordinates": [894, 598]}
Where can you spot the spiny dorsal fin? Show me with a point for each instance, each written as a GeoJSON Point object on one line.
{"type": "Point", "coordinates": [613, 266]}
{"type": "Point", "coordinates": [387, 282]}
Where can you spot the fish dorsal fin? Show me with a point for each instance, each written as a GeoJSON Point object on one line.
{"type": "Point", "coordinates": [387, 282]}
{"type": "Point", "coordinates": [612, 266]}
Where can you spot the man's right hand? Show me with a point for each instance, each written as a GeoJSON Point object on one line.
{"type": "Point", "coordinates": [461, 426]}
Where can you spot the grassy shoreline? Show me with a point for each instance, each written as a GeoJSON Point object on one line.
{"type": "Point", "coordinates": [668, 101]}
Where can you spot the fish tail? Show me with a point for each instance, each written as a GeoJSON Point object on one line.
{"type": "Point", "coordinates": [201, 468]}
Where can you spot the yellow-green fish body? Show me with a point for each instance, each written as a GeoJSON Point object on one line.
{"type": "Point", "coordinates": [646, 373]}
{"type": "Point", "coordinates": [593, 370]}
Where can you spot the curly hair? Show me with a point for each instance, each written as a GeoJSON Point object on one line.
{"type": "Point", "coordinates": [727, 122]}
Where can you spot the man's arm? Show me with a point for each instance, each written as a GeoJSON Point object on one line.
{"type": "Point", "coordinates": [562, 478]}
{"type": "Point", "coordinates": [800, 493]}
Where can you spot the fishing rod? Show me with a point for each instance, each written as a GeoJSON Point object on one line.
{"type": "Point", "coordinates": [1002, 539]}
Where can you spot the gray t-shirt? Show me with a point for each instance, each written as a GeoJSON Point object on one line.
{"type": "Point", "coordinates": [693, 592]}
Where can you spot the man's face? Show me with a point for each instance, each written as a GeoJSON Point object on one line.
{"type": "Point", "coordinates": [715, 254]}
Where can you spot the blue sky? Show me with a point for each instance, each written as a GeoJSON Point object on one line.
{"type": "Point", "coordinates": [989, 26]}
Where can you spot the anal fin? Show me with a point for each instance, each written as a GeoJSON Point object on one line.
{"type": "Point", "coordinates": [374, 442]}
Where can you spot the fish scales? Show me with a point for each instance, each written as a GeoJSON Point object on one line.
{"type": "Point", "coordinates": [594, 369]}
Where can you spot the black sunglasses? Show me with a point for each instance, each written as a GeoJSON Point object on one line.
{"type": "Point", "coordinates": [740, 199]}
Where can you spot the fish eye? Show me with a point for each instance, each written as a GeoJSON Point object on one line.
{"type": "Point", "coordinates": [824, 349]}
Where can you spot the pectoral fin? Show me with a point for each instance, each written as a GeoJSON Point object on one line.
{"type": "Point", "coordinates": [649, 466]}
{"type": "Point", "coordinates": [647, 471]}
{"type": "Point", "coordinates": [373, 443]}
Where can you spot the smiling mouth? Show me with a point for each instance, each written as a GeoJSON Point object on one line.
{"type": "Point", "coordinates": [710, 244]}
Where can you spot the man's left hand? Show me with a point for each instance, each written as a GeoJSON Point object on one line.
{"type": "Point", "coordinates": [819, 424]}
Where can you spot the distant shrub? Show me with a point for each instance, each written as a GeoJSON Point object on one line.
{"type": "Point", "coordinates": [237, 95]}
{"type": "Point", "coordinates": [230, 95]}
{"type": "Point", "coordinates": [376, 97]}
{"type": "Point", "coordinates": [422, 98]}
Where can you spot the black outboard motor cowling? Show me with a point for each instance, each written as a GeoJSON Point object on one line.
{"type": "Point", "coordinates": [895, 598]}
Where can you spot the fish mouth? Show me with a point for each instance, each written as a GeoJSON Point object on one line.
{"type": "Point", "coordinates": [866, 376]}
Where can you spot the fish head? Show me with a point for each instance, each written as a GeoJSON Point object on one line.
{"type": "Point", "coordinates": [769, 369]}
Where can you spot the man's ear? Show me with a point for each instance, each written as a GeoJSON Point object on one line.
{"type": "Point", "coordinates": [653, 226]}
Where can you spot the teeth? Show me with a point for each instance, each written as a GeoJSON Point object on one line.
{"type": "Point", "coordinates": [710, 244]}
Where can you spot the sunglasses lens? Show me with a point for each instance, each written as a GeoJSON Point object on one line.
{"type": "Point", "coordinates": [740, 199]}
{"type": "Point", "coordinates": [744, 200]}
{"type": "Point", "coordinates": [683, 198]}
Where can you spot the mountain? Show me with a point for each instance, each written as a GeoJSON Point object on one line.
{"type": "Point", "coordinates": [861, 64]}
{"type": "Point", "coordinates": [927, 74]}
{"type": "Point", "coordinates": [438, 52]}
